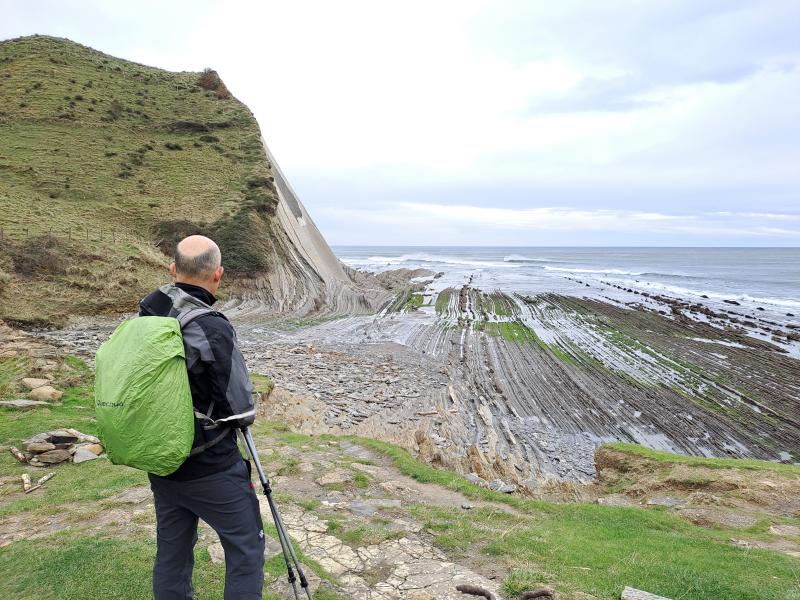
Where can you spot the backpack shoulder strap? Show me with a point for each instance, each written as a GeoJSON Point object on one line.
{"type": "Point", "coordinates": [184, 319]}
{"type": "Point", "coordinates": [190, 315]}
{"type": "Point", "coordinates": [198, 449]}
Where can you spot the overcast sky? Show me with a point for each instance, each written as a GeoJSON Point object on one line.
{"type": "Point", "coordinates": [497, 123]}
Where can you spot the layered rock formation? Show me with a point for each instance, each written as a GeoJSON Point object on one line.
{"type": "Point", "coordinates": [309, 278]}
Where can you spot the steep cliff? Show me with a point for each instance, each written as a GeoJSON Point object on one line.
{"type": "Point", "coordinates": [105, 163]}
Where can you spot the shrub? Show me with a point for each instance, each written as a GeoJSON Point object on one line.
{"type": "Point", "coordinates": [188, 127]}
{"type": "Point", "coordinates": [115, 111]}
{"type": "Point", "coordinates": [172, 146]}
{"type": "Point", "coordinates": [238, 239]}
{"type": "Point", "coordinates": [209, 138]}
{"type": "Point", "coordinates": [210, 81]}
{"type": "Point", "coordinates": [37, 256]}
{"type": "Point", "coordinates": [169, 232]}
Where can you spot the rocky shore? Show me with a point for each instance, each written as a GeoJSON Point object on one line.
{"type": "Point", "coordinates": [516, 391]}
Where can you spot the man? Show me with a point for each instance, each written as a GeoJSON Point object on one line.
{"type": "Point", "coordinates": [214, 482]}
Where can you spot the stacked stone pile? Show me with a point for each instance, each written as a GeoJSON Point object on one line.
{"type": "Point", "coordinates": [62, 445]}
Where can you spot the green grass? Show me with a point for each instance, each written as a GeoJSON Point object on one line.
{"type": "Point", "coordinates": [413, 303]}
{"type": "Point", "coordinates": [48, 568]}
{"type": "Point", "coordinates": [443, 300]}
{"type": "Point", "coordinates": [588, 547]}
{"type": "Point", "coordinates": [497, 304]}
{"type": "Point", "coordinates": [519, 333]}
{"type": "Point", "coordinates": [263, 383]}
{"type": "Point", "coordinates": [698, 461]}
{"type": "Point", "coordinates": [55, 568]}
{"type": "Point", "coordinates": [650, 549]}
{"type": "Point", "coordinates": [85, 153]}
{"type": "Point", "coordinates": [599, 550]}
{"type": "Point", "coordinates": [573, 547]}
{"type": "Point", "coordinates": [363, 534]}
{"type": "Point", "coordinates": [360, 480]}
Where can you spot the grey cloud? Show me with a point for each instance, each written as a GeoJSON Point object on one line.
{"type": "Point", "coordinates": [657, 43]}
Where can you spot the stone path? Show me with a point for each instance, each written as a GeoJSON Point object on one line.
{"type": "Point", "coordinates": [406, 566]}
{"type": "Point", "coordinates": [402, 564]}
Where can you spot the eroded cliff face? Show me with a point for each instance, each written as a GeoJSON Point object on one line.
{"type": "Point", "coordinates": [305, 277]}
{"type": "Point", "coordinates": [107, 163]}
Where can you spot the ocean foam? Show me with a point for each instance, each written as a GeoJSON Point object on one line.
{"type": "Point", "coordinates": [431, 258]}
{"type": "Point", "coordinates": [597, 271]}
{"type": "Point", "coordinates": [520, 258]}
{"type": "Point", "coordinates": [682, 291]}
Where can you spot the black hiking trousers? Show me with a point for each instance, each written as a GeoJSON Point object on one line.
{"type": "Point", "coordinates": [227, 502]}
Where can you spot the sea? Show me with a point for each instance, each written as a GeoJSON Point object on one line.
{"type": "Point", "coordinates": [766, 279]}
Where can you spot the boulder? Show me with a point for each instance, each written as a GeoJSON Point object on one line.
{"type": "Point", "coordinates": [94, 448]}
{"type": "Point", "coordinates": [630, 593]}
{"type": "Point", "coordinates": [362, 509]}
{"type": "Point", "coordinates": [39, 437]}
{"type": "Point", "coordinates": [498, 485]}
{"type": "Point", "coordinates": [83, 437]}
{"type": "Point", "coordinates": [46, 393]}
{"type": "Point", "coordinates": [54, 456]}
{"type": "Point", "coordinates": [39, 447]}
{"type": "Point", "coordinates": [32, 383]}
{"type": "Point", "coordinates": [667, 501]}
{"type": "Point", "coordinates": [784, 530]}
{"type": "Point", "coordinates": [475, 478]}
{"type": "Point", "coordinates": [217, 553]}
{"type": "Point", "coordinates": [82, 455]}
{"type": "Point", "coordinates": [22, 404]}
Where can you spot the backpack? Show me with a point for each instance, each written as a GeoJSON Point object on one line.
{"type": "Point", "coordinates": [143, 402]}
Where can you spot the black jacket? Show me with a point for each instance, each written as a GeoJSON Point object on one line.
{"type": "Point", "coordinates": [217, 374]}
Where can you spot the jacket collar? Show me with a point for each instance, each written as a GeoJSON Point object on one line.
{"type": "Point", "coordinates": [185, 296]}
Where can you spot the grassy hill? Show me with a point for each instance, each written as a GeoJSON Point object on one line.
{"type": "Point", "coordinates": [103, 164]}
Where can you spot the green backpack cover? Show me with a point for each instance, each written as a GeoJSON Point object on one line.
{"type": "Point", "coordinates": [143, 402]}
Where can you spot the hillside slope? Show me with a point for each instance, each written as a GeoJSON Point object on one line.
{"type": "Point", "coordinates": [104, 163]}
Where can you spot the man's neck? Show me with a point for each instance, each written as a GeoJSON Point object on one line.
{"type": "Point", "coordinates": [198, 291]}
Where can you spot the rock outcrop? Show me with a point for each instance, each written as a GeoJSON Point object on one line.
{"type": "Point", "coordinates": [309, 278]}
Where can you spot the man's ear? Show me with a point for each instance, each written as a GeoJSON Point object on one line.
{"type": "Point", "coordinates": [172, 270]}
{"type": "Point", "coordinates": [218, 273]}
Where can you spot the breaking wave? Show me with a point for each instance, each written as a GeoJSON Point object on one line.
{"type": "Point", "coordinates": [598, 271]}
{"type": "Point", "coordinates": [518, 258]}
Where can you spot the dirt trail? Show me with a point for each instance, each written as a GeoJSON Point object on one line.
{"type": "Point", "coordinates": [389, 557]}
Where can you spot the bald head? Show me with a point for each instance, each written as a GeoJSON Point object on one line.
{"type": "Point", "coordinates": [198, 261]}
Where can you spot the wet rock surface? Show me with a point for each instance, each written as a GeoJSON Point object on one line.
{"type": "Point", "coordinates": [523, 389]}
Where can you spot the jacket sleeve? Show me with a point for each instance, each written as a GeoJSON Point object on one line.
{"type": "Point", "coordinates": [232, 390]}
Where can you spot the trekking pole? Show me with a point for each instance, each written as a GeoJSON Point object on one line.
{"type": "Point", "coordinates": [289, 555]}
